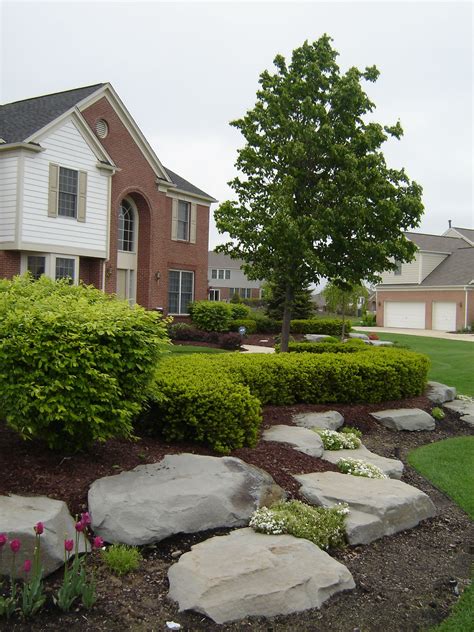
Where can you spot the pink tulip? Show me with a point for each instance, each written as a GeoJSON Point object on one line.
{"type": "Point", "coordinates": [97, 542]}
{"type": "Point", "coordinates": [27, 566]}
{"type": "Point", "coordinates": [15, 545]}
{"type": "Point", "coordinates": [80, 526]}
{"type": "Point", "coordinates": [69, 545]}
{"type": "Point", "coordinates": [3, 539]}
{"type": "Point", "coordinates": [86, 518]}
{"type": "Point", "coordinates": [39, 528]}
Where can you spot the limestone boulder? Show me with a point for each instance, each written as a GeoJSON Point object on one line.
{"type": "Point", "coordinates": [301, 439]}
{"type": "Point", "coordinates": [464, 408]}
{"type": "Point", "coordinates": [391, 467]}
{"type": "Point", "coordinates": [184, 493]}
{"type": "Point", "coordinates": [316, 337]}
{"type": "Point", "coordinates": [19, 515]}
{"type": "Point", "coordinates": [329, 420]}
{"type": "Point", "coordinates": [359, 336]}
{"type": "Point", "coordinates": [381, 343]}
{"type": "Point", "coordinates": [251, 574]}
{"type": "Point", "coordinates": [440, 393]}
{"type": "Point", "coordinates": [411, 419]}
{"type": "Point", "coordinates": [378, 507]}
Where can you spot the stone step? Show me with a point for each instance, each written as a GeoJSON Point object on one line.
{"type": "Point", "coordinates": [328, 420]}
{"type": "Point", "coordinates": [411, 419]}
{"type": "Point", "coordinates": [391, 467]}
{"type": "Point", "coordinates": [301, 439]}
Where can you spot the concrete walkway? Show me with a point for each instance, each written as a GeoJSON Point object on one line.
{"type": "Point", "coordinates": [427, 333]}
{"type": "Point", "coordinates": [257, 349]}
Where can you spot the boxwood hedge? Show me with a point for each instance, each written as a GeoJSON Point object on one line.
{"type": "Point", "coordinates": [326, 346]}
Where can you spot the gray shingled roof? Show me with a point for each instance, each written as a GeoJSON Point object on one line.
{"type": "Point", "coordinates": [21, 119]}
{"type": "Point", "coordinates": [183, 184]}
{"type": "Point", "coordinates": [220, 260]}
{"type": "Point", "coordinates": [466, 232]}
{"type": "Point", "coordinates": [436, 243]}
{"type": "Point", "coordinates": [457, 269]}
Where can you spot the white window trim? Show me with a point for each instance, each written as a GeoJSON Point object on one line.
{"type": "Point", "coordinates": [50, 263]}
{"type": "Point", "coordinates": [179, 300]}
{"type": "Point", "coordinates": [135, 226]}
{"type": "Point", "coordinates": [214, 289]}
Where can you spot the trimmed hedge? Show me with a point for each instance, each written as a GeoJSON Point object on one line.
{"type": "Point", "coordinates": [211, 315]}
{"type": "Point", "coordinates": [216, 399]}
{"type": "Point", "coordinates": [326, 326]}
{"type": "Point", "coordinates": [250, 325]}
{"type": "Point", "coordinates": [353, 346]}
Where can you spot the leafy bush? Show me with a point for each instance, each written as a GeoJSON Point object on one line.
{"type": "Point", "coordinates": [239, 310]}
{"type": "Point", "coordinates": [327, 326]}
{"type": "Point", "coordinates": [333, 440]}
{"type": "Point", "coordinates": [192, 334]}
{"type": "Point", "coordinates": [325, 347]}
{"type": "Point", "coordinates": [369, 320]}
{"type": "Point", "coordinates": [438, 413]}
{"type": "Point", "coordinates": [266, 325]}
{"type": "Point", "coordinates": [74, 362]}
{"type": "Point", "coordinates": [250, 325]}
{"type": "Point", "coordinates": [121, 559]}
{"type": "Point", "coordinates": [322, 525]}
{"type": "Point", "coordinates": [358, 467]}
{"type": "Point", "coordinates": [177, 330]}
{"type": "Point", "coordinates": [211, 315]}
{"type": "Point", "coordinates": [231, 341]}
{"type": "Point", "coordinates": [192, 399]}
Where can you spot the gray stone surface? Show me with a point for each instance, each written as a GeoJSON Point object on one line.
{"type": "Point", "coordinates": [464, 408]}
{"type": "Point", "coordinates": [251, 574]}
{"type": "Point", "coordinates": [316, 337]}
{"type": "Point", "coordinates": [405, 419]}
{"type": "Point", "coordinates": [391, 467]}
{"type": "Point", "coordinates": [440, 393]}
{"type": "Point", "coordinates": [183, 493]}
{"type": "Point", "coordinates": [330, 420]}
{"type": "Point", "coordinates": [19, 515]}
{"type": "Point", "coordinates": [378, 507]}
{"type": "Point", "coordinates": [381, 343]}
{"type": "Point", "coordinates": [359, 336]}
{"type": "Point", "coordinates": [300, 439]}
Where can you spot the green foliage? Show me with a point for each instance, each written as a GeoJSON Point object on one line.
{"type": "Point", "coordinates": [359, 467]}
{"type": "Point", "coordinates": [302, 306]}
{"type": "Point", "coordinates": [267, 325]}
{"type": "Point", "coordinates": [74, 362]}
{"type": "Point", "coordinates": [438, 413]}
{"type": "Point", "coordinates": [249, 324]}
{"type": "Point", "coordinates": [192, 399]}
{"type": "Point", "coordinates": [326, 346]}
{"type": "Point", "coordinates": [323, 326]}
{"type": "Point", "coordinates": [211, 315]}
{"type": "Point", "coordinates": [239, 311]}
{"type": "Point", "coordinates": [351, 430]}
{"type": "Point", "coordinates": [177, 330]}
{"type": "Point", "coordinates": [369, 320]}
{"type": "Point", "coordinates": [333, 440]}
{"type": "Point", "coordinates": [121, 559]}
{"type": "Point", "coordinates": [325, 526]}
{"type": "Point", "coordinates": [343, 300]}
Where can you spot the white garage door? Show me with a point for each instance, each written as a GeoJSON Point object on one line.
{"type": "Point", "coordinates": [444, 316]}
{"type": "Point", "coordinates": [407, 315]}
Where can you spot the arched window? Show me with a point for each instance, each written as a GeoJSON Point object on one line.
{"type": "Point", "coordinates": [126, 227]}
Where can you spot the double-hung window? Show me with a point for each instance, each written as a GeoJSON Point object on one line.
{"type": "Point", "coordinates": [220, 274]}
{"type": "Point", "coordinates": [67, 192]}
{"type": "Point", "coordinates": [180, 291]}
{"type": "Point", "coordinates": [65, 268]}
{"type": "Point", "coordinates": [184, 213]}
{"type": "Point", "coordinates": [36, 265]}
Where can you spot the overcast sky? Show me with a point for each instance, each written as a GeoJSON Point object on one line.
{"type": "Point", "coordinates": [184, 70]}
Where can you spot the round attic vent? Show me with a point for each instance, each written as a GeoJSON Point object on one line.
{"type": "Point", "coordinates": [101, 128]}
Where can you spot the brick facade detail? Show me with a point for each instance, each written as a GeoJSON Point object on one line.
{"type": "Point", "coordinates": [10, 263]}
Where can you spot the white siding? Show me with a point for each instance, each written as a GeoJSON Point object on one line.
{"type": "Point", "coordinates": [430, 261]}
{"type": "Point", "coordinates": [237, 279]}
{"type": "Point", "coordinates": [66, 147]}
{"type": "Point", "coordinates": [8, 180]}
{"type": "Point", "coordinates": [410, 273]}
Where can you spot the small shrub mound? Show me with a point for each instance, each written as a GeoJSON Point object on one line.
{"type": "Point", "coordinates": [438, 413]}
{"type": "Point", "coordinates": [239, 310]}
{"type": "Point", "coordinates": [322, 525]}
{"type": "Point", "coordinates": [211, 315]}
{"type": "Point", "coordinates": [333, 440]}
{"type": "Point", "coordinates": [74, 362]}
{"type": "Point", "coordinates": [121, 559]}
{"type": "Point", "coordinates": [359, 467]}
{"type": "Point", "coordinates": [326, 346]}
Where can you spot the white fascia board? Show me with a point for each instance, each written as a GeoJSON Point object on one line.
{"type": "Point", "coordinates": [14, 146]}
{"type": "Point", "coordinates": [420, 288]}
{"type": "Point", "coordinates": [174, 192]}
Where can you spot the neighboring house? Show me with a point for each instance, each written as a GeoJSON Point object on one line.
{"type": "Point", "coordinates": [436, 289]}
{"type": "Point", "coordinates": [84, 196]}
{"type": "Point", "coordinates": [225, 278]}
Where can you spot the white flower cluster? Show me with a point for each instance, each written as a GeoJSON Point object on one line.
{"type": "Point", "coordinates": [358, 467]}
{"type": "Point", "coordinates": [466, 398]}
{"type": "Point", "coordinates": [333, 440]}
{"type": "Point", "coordinates": [341, 508]}
{"type": "Point", "coordinates": [264, 520]}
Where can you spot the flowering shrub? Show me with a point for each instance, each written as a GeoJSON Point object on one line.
{"type": "Point", "coordinates": [333, 440]}
{"type": "Point", "coordinates": [322, 525]}
{"type": "Point", "coordinates": [358, 467]}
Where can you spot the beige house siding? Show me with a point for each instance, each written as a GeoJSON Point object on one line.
{"type": "Point", "coordinates": [410, 273]}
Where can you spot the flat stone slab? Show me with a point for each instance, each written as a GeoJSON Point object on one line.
{"type": "Point", "coordinates": [405, 419]}
{"type": "Point", "coordinates": [316, 337]}
{"type": "Point", "coordinates": [378, 507]}
{"type": "Point", "coordinates": [184, 493]}
{"type": "Point", "coordinates": [329, 420]}
{"type": "Point", "coordinates": [381, 343]}
{"type": "Point", "coordinates": [301, 439]}
{"type": "Point", "coordinates": [391, 467]}
{"type": "Point", "coordinates": [251, 574]}
{"type": "Point", "coordinates": [19, 515]}
{"type": "Point", "coordinates": [440, 393]}
{"type": "Point", "coordinates": [464, 408]}
{"type": "Point", "coordinates": [359, 336]}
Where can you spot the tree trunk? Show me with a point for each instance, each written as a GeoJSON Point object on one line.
{"type": "Point", "coordinates": [343, 318]}
{"type": "Point", "coordinates": [285, 327]}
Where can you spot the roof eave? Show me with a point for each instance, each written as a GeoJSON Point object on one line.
{"type": "Point", "coordinates": [28, 146]}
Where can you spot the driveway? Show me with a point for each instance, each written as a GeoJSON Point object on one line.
{"type": "Point", "coordinates": [427, 333]}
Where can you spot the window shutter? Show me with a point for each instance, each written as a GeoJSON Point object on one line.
{"type": "Point", "coordinates": [174, 219]}
{"type": "Point", "coordinates": [53, 190]}
{"type": "Point", "coordinates": [192, 231]}
{"type": "Point", "coordinates": [82, 197]}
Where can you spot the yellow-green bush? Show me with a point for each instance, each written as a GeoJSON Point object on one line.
{"type": "Point", "coordinates": [211, 315]}
{"type": "Point", "coordinates": [352, 346]}
{"type": "Point", "coordinates": [74, 362]}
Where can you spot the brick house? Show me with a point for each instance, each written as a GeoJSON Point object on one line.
{"type": "Point", "coordinates": [436, 289]}
{"type": "Point", "coordinates": [226, 278]}
{"type": "Point", "coordinates": [83, 195]}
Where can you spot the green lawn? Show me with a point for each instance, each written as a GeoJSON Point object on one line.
{"type": "Point", "coordinates": [452, 361]}
{"type": "Point", "coordinates": [195, 349]}
{"type": "Point", "coordinates": [449, 465]}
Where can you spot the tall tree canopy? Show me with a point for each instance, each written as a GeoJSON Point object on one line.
{"type": "Point", "coordinates": [316, 197]}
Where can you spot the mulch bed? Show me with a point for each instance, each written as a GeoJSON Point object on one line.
{"type": "Point", "coordinates": [405, 582]}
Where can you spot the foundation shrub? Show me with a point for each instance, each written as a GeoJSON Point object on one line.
{"type": "Point", "coordinates": [326, 326]}
{"type": "Point", "coordinates": [211, 315]}
{"type": "Point", "coordinates": [239, 310]}
{"type": "Point", "coordinates": [74, 362]}
{"type": "Point", "coordinates": [250, 325]}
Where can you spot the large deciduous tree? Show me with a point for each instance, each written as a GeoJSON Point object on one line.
{"type": "Point", "coordinates": [315, 197]}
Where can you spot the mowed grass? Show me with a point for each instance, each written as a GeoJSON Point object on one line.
{"type": "Point", "coordinates": [452, 361]}
{"type": "Point", "coordinates": [449, 465]}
